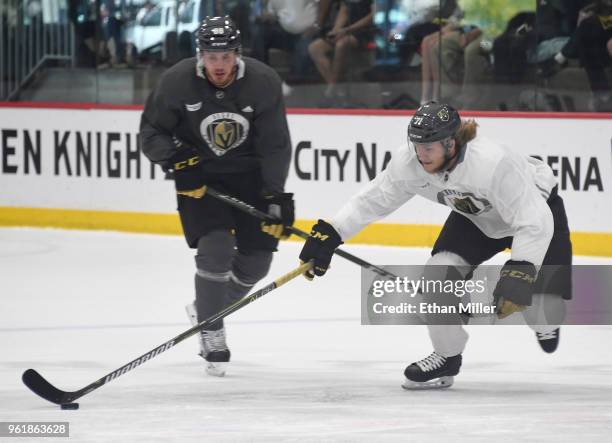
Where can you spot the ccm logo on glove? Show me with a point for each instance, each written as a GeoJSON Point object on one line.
{"type": "Point", "coordinates": [514, 289]}
{"type": "Point", "coordinates": [186, 163]}
{"type": "Point", "coordinates": [188, 177]}
{"type": "Point", "coordinates": [320, 247]}
{"type": "Point", "coordinates": [512, 273]}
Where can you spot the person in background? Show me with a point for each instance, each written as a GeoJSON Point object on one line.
{"type": "Point", "coordinates": [591, 43]}
{"type": "Point", "coordinates": [330, 52]}
{"type": "Point", "coordinates": [286, 25]}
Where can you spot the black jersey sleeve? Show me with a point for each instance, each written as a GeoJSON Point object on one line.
{"type": "Point", "coordinates": [158, 121]}
{"type": "Point", "coordinates": [271, 137]}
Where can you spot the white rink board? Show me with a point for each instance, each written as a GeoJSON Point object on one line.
{"type": "Point", "coordinates": [578, 149]}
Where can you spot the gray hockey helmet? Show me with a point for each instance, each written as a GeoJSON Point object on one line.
{"type": "Point", "coordinates": [218, 34]}
{"type": "Point", "coordinates": [433, 122]}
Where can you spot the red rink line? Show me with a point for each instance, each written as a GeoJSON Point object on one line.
{"type": "Point", "coordinates": [314, 111]}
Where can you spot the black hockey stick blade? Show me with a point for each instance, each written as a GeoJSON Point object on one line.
{"type": "Point", "coordinates": [41, 387]}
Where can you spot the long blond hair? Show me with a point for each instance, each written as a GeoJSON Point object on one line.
{"type": "Point", "coordinates": [466, 132]}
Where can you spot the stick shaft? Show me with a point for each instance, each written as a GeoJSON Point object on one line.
{"type": "Point", "coordinates": [249, 209]}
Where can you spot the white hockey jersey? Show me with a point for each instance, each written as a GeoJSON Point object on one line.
{"type": "Point", "coordinates": [503, 193]}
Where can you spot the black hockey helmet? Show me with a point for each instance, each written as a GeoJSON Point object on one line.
{"type": "Point", "coordinates": [433, 122]}
{"type": "Point", "coordinates": [218, 34]}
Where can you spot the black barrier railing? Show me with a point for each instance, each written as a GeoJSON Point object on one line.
{"type": "Point", "coordinates": [33, 34]}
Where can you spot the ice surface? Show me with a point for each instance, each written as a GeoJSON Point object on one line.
{"type": "Point", "coordinates": [77, 305]}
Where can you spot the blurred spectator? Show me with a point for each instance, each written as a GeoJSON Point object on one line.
{"type": "Point", "coordinates": [143, 12]}
{"type": "Point", "coordinates": [573, 15]}
{"type": "Point", "coordinates": [535, 39]}
{"type": "Point", "coordinates": [288, 25]}
{"type": "Point", "coordinates": [7, 56]}
{"type": "Point", "coordinates": [554, 30]}
{"type": "Point", "coordinates": [510, 48]}
{"type": "Point", "coordinates": [330, 52]}
{"type": "Point", "coordinates": [590, 43]}
{"type": "Point", "coordinates": [149, 5]}
{"type": "Point", "coordinates": [457, 62]}
{"type": "Point", "coordinates": [442, 57]}
{"type": "Point", "coordinates": [82, 15]}
{"type": "Point", "coordinates": [420, 19]}
{"type": "Point", "coordinates": [111, 15]}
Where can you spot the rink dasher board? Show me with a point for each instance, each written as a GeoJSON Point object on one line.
{"type": "Point", "coordinates": [82, 168]}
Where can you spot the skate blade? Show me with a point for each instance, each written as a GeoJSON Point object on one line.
{"type": "Point", "coordinates": [216, 369]}
{"type": "Point", "coordinates": [439, 383]}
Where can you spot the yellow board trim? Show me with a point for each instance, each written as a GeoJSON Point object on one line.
{"type": "Point", "coordinates": [141, 222]}
{"type": "Point", "coordinates": [387, 234]}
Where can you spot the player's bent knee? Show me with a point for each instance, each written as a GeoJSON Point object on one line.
{"type": "Point", "coordinates": [451, 265]}
{"type": "Point", "coordinates": [440, 269]}
{"type": "Point", "coordinates": [215, 254]}
{"type": "Point", "coordinates": [447, 258]}
{"type": "Point", "coordinates": [250, 267]}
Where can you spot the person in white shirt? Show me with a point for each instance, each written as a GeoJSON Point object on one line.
{"type": "Point", "coordinates": [499, 199]}
{"type": "Point", "coordinates": [288, 25]}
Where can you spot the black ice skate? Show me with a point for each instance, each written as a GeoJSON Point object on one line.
{"type": "Point", "coordinates": [549, 340]}
{"type": "Point", "coordinates": [433, 372]}
{"type": "Point", "coordinates": [213, 348]}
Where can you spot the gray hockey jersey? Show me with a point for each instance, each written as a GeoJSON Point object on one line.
{"type": "Point", "coordinates": [235, 129]}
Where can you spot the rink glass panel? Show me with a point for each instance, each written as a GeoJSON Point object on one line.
{"type": "Point", "coordinates": [115, 51]}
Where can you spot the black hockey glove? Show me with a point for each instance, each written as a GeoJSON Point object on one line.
{"type": "Point", "coordinates": [281, 207]}
{"type": "Point", "coordinates": [320, 247]}
{"type": "Point", "coordinates": [514, 288]}
{"type": "Point", "coordinates": [188, 177]}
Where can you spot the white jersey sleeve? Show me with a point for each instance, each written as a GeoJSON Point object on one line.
{"type": "Point", "coordinates": [520, 204]}
{"type": "Point", "coordinates": [389, 190]}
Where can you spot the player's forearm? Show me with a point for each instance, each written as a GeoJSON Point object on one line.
{"type": "Point", "coordinates": [273, 145]}
{"type": "Point", "coordinates": [274, 170]}
{"type": "Point", "coordinates": [378, 199]}
{"type": "Point", "coordinates": [272, 141]}
{"type": "Point", "coordinates": [155, 145]}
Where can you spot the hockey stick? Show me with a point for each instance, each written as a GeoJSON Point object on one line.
{"type": "Point", "coordinates": [41, 387]}
{"type": "Point", "coordinates": [245, 207]}
{"type": "Point", "coordinates": [249, 209]}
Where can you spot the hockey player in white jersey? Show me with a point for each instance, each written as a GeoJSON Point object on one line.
{"type": "Point", "coordinates": [499, 199]}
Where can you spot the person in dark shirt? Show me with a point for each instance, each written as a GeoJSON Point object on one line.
{"type": "Point", "coordinates": [219, 120]}
{"type": "Point", "coordinates": [330, 52]}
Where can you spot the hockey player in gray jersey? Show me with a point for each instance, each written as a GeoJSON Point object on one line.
{"type": "Point", "coordinates": [499, 199]}
{"type": "Point", "coordinates": [218, 119]}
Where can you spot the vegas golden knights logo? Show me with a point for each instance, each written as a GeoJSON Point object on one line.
{"type": "Point", "coordinates": [465, 205]}
{"type": "Point", "coordinates": [443, 114]}
{"type": "Point", "coordinates": [464, 202]}
{"type": "Point", "coordinates": [224, 131]}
